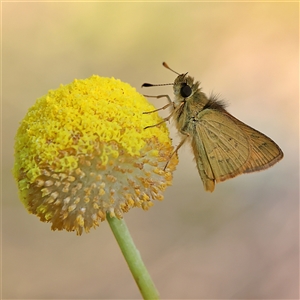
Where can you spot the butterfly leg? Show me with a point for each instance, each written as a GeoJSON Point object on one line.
{"type": "Point", "coordinates": [164, 107]}
{"type": "Point", "coordinates": [163, 121]}
{"type": "Point", "coordinates": [161, 96]}
{"type": "Point", "coordinates": [176, 150]}
{"type": "Point", "coordinates": [152, 111]}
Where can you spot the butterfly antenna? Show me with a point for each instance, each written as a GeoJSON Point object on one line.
{"type": "Point", "coordinates": [150, 84]}
{"type": "Point", "coordinates": [166, 66]}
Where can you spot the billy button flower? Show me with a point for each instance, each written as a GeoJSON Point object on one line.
{"type": "Point", "coordinates": [82, 152]}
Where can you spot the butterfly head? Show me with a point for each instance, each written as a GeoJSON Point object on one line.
{"type": "Point", "coordinates": [184, 87]}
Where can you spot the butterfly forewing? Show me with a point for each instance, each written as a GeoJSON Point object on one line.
{"type": "Point", "coordinates": [264, 152]}
{"type": "Point", "coordinates": [225, 145]}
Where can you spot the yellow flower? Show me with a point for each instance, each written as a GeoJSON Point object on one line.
{"type": "Point", "coordinates": [82, 151]}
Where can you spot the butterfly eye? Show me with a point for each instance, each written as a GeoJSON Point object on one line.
{"type": "Point", "coordinates": [185, 90]}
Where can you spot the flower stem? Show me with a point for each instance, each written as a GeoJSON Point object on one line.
{"type": "Point", "coordinates": [133, 258]}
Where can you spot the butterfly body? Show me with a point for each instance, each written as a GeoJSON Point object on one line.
{"type": "Point", "coordinates": [224, 147]}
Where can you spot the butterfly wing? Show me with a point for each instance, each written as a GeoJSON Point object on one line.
{"type": "Point", "coordinates": [220, 147]}
{"type": "Point", "coordinates": [264, 152]}
{"type": "Point", "coordinates": [224, 147]}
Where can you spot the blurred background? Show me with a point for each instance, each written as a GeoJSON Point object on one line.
{"type": "Point", "coordinates": [242, 241]}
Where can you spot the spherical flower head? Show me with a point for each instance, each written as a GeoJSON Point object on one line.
{"type": "Point", "coordinates": [83, 151]}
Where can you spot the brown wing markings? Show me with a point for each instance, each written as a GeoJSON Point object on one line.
{"type": "Point", "coordinates": [226, 147]}
{"type": "Point", "coordinates": [264, 151]}
{"type": "Point", "coordinates": [229, 140]}
{"type": "Point", "coordinates": [215, 156]}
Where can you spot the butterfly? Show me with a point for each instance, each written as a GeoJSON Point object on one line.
{"type": "Point", "coordinates": [223, 146]}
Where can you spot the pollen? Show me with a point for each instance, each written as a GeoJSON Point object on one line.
{"type": "Point", "coordinates": [82, 151]}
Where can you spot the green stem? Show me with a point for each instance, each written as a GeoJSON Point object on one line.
{"type": "Point", "coordinates": [133, 258]}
